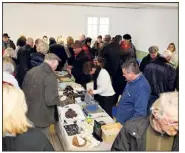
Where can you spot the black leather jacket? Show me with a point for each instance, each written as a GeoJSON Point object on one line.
{"type": "Point", "coordinates": [161, 76]}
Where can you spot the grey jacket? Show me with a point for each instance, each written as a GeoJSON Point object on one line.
{"type": "Point", "coordinates": [41, 90]}
{"type": "Point", "coordinates": [132, 136]}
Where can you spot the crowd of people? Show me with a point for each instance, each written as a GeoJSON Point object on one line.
{"type": "Point", "coordinates": [145, 93]}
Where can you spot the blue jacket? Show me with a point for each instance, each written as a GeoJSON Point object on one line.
{"type": "Point", "coordinates": [134, 100]}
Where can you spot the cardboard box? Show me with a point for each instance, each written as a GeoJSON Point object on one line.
{"type": "Point", "coordinates": [110, 132]}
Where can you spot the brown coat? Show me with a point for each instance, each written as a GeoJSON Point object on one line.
{"type": "Point", "coordinates": [41, 90]}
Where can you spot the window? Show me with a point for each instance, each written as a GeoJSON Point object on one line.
{"type": "Point", "coordinates": [104, 26]}
{"type": "Point", "coordinates": [97, 26]}
{"type": "Point", "coordinates": [92, 26]}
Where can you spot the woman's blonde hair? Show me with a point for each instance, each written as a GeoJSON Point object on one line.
{"type": "Point", "coordinates": [10, 52]}
{"type": "Point", "coordinates": [70, 41]}
{"type": "Point", "coordinates": [14, 111]}
{"type": "Point", "coordinates": [60, 40]}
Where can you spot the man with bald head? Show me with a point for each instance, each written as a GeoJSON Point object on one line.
{"type": "Point", "coordinates": [23, 60]}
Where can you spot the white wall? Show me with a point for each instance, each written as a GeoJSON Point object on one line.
{"type": "Point", "coordinates": [147, 27]}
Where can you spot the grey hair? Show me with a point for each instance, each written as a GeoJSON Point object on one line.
{"type": "Point", "coordinates": [8, 67]}
{"type": "Point", "coordinates": [51, 56]}
{"type": "Point", "coordinates": [42, 47]}
{"type": "Point", "coordinates": [131, 66]}
{"type": "Point", "coordinates": [167, 54]}
{"type": "Point", "coordinates": [153, 48]}
{"type": "Point", "coordinates": [166, 104]}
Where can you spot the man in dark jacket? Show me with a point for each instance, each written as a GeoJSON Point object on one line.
{"type": "Point", "coordinates": [41, 91]}
{"type": "Point", "coordinates": [59, 50]}
{"type": "Point", "coordinates": [111, 54]}
{"type": "Point", "coordinates": [135, 98]}
{"type": "Point", "coordinates": [128, 49]}
{"type": "Point", "coordinates": [77, 69]}
{"type": "Point", "coordinates": [153, 55]}
{"type": "Point", "coordinates": [7, 43]}
{"type": "Point", "coordinates": [159, 132]}
{"type": "Point", "coordinates": [23, 60]}
{"type": "Point", "coordinates": [161, 76]}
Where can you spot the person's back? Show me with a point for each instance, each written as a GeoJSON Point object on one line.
{"type": "Point", "coordinates": [59, 50]}
{"type": "Point", "coordinates": [39, 94]}
{"type": "Point", "coordinates": [161, 76]}
{"type": "Point", "coordinates": [32, 140]}
{"type": "Point", "coordinates": [23, 63]}
{"type": "Point", "coordinates": [111, 54]}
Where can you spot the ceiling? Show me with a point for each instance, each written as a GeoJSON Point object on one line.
{"type": "Point", "coordinates": [126, 5]}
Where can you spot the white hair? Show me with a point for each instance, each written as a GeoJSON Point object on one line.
{"type": "Point", "coordinates": [167, 54]}
{"type": "Point", "coordinates": [42, 47]}
{"type": "Point", "coordinates": [8, 67]}
{"type": "Point", "coordinates": [166, 106]}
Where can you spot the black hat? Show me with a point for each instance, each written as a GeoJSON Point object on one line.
{"type": "Point", "coordinates": [5, 35]}
{"type": "Point", "coordinates": [127, 37]}
{"type": "Point", "coordinates": [88, 39]}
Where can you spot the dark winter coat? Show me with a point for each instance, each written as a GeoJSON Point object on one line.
{"type": "Point", "coordinates": [36, 59]}
{"type": "Point", "coordinates": [41, 91]}
{"type": "Point", "coordinates": [161, 76]}
{"type": "Point", "coordinates": [147, 59]}
{"type": "Point", "coordinates": [59, 50]}
{"type": "Point", "coordinates": [77, 70]}
{"type": "Point", "coordinates": [32, 140]}
{"type": "Point", "coordinates": [132, 136]}
{"type": "Point", "coordinates": [23, 63]}
{"type": "Point", "coordinates": [111, 54]}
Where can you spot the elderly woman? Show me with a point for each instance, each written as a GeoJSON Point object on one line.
{"type": "Point", "coordinates": [37, 58]}
{"type": "Point", "coordinates": [9, 52]}
{"type": "Point", "coordinates": [9, 71]}
{"type": "Point", "coordinates": [158, 132]}
{"type": "Point", "coordinates": [18, 132]}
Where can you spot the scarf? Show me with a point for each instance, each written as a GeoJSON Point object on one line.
{"type": "Point", "coordinates": [95, 76]}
